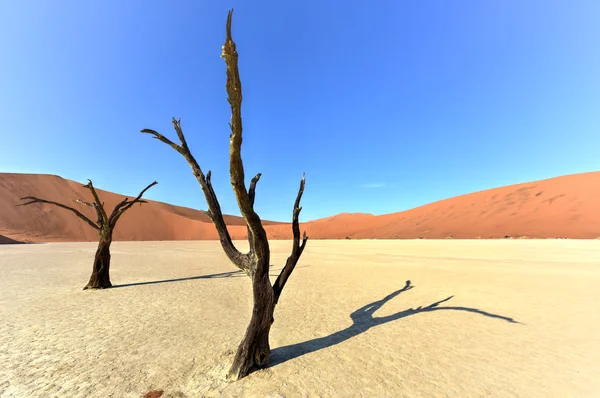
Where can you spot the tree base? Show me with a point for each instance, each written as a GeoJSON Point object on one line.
{"type": "Point", "coordinates": [100, 278]}
{"type": "Point", "coordinates": [253, 352]}
{"type": "Point", "coordinates": [104, 286]}
{"type": "Point", "coordinates": [248, 360]}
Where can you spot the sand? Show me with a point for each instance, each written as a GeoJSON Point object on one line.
{"type": "Point", "coordinates": [565, 206]}
{"type": "Point", "coordinates": [522, 321]}
{"type": "Point", "coordinates": [48, 223]}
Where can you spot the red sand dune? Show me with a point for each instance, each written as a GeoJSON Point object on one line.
{"type": "Point", "coordinates": [566, 206]}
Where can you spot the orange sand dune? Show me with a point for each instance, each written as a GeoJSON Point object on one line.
{"type": "Point", "coordinates": [47, 223]}
{"type": "Point", "coordinates": [566, 206]}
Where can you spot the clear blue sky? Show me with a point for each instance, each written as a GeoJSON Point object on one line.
{"type": "Point", "coordinates": [386, 105]}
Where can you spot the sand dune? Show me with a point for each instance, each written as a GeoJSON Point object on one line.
{"type": "Point", "coordinates": [567, 206]}
{"type": "Point", "coordinates": [47, 223]}
{"type": "Point", "coordinates": [564, 206]}
{"type": "Point", "coordinates": [515, 318]}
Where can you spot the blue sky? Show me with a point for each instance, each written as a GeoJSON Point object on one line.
{"type": "Point", "coordinates": [386, 105]}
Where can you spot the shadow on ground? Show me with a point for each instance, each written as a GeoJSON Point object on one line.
{"type": "Point", "coordinates": [5, 240]}
{"type": "Point", "coordinates": [230, 274]}
{"type": "Point", "coordinates": [363, 320]}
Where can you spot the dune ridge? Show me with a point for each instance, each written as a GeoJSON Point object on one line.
{"type": "Point", "coordinates": [565, 206]}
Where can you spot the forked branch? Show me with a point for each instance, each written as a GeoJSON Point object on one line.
{"type": "Point", "coordinates": [297, 247]}
{"type": "Point", "coordinates": [99, 205]}
{"type": "Point", "coordinates": [214, 208]}
{"type": "Point", "coordinates": [256, 262]}
{"type": "Point", "coordinates": [162, 138]}
{"type": "Point", "coordinates": [126, 204]}
{"type": "Point", "coordinates": [103, 220]}
{"type": "Point", "coordinates": [95, 207]}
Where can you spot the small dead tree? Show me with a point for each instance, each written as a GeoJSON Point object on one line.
{"type": "Point", "coordinates": [105, 226]}
{"type": "Point", "coordinates": [254, 351]}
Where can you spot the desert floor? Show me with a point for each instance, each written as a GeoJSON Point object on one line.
{"type": "Point", "coordinates": [523, 320]}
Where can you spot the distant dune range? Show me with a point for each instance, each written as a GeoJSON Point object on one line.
{"type": "Point", "coordinates": [567, 206]}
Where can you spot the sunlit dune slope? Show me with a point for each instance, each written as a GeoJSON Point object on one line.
{"type": "Point", "coordinates": [566, 206]}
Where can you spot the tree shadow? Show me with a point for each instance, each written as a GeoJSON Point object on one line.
{"type": "Point", "coordinates": [363, 320]}
{"type": "Point", "coordinates": [230, 274]}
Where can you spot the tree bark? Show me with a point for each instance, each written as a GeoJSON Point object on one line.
{"type": "Point", "coordinates": [100, 278]}
{"type": "Point", "coordinates": [254, 351]}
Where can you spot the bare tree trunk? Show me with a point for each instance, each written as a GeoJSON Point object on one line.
{"type": "Point", "coordinates": [100, 278]}
{"type": "Point", "coordinates": [254, 351]}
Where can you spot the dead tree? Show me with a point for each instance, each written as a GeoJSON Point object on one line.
{"type": "Point", "coordinates": [254, 351]}
{"type": "Point", "coordinates": [105, 226]}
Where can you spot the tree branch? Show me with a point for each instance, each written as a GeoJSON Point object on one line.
{"type": "Point", "coordinates": [96, 208]}
{"type": "Point", "coordinates": [260, 244]}
{"type": "Point", "coordinates": [164, 139]}
{"type": "Point", "coordinates": [33, 199]}
{"type": "Point", "coordinates": [297, 247]}
{"type": "Point", "coordinates": [83, 202]}
{"type": "Point", "coordinates": [125, 205]}
{"type": "Point", "coordinates": [214, 208]}
{"type": "Point", "coordinates": [251, 194]}
{"type": "Point", "coordinates": [213, 195]}
{"type": "Point", "coordinates": [252, 188]}
{"type": "Point", "coordinates": [99, 204]}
